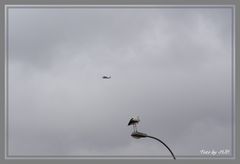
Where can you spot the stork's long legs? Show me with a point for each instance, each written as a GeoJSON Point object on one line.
{"type": "Point", "coordinates": [134, 127]}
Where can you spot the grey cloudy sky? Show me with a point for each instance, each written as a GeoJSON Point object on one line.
{"type": "Point", "coordinates": [170, 66]}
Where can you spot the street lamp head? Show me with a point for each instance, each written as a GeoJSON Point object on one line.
{"type": "Point", "coordinates": [138, 135]}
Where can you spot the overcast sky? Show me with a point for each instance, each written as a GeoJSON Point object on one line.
{"type": "Point", "coordinates": [169, 66]}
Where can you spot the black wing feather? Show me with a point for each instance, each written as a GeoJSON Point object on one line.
{"type": "Point", "coordinates": [130, 122]}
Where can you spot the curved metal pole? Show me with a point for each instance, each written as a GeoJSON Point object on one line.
{"type": "Point", "coordinates": [163, 144]}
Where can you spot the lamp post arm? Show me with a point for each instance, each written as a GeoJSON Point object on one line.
{"type": "Point", "coordinates": [163, 144]}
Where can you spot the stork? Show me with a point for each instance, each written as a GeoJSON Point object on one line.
{"type": "Point", "coordinates": [106, 77]}
{"type": "Point", "coordinates": [134, 122]}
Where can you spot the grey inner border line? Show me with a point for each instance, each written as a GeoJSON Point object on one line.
{"type": "Point", "coordinates": [234, 121]}
{"type": "Point", "coordinates": [233, 61]}
{"type": "Point", "coordinates": [116, 156]}
{"type": "Point", "coordinates": [119, 6]}
{"type": "Point", "coordinates": [6, 80]}
{"type": "Point", "coordinates": [222, 156]}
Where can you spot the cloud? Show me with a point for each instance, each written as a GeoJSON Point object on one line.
{"type": "Point", "coordinates": [172, 67]}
